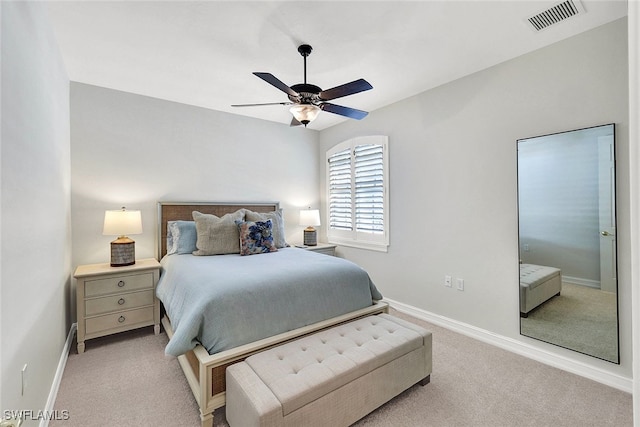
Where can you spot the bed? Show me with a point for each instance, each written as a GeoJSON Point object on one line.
{"type": "Point", "coordinates": [205, 372]}
{"type": "Point", "coordinates": [538, 284]}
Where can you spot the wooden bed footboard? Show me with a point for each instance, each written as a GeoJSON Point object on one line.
{"type": "Point", "coordinates": [205, 373]}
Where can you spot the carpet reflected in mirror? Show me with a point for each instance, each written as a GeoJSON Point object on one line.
{"type": "Point", "coordinates": [581, 318]}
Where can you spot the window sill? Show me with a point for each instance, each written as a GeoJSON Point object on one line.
{"type": "Point", "coordinates": [378, 247]}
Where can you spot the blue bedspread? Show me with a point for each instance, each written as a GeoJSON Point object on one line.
{"type": "Point", "coordinates": [224, 301]}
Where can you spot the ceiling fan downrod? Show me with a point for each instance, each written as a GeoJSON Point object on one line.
{"type": "Point", "coordinates": [305, 50]}
{"type": "Point", "coordinates": [307, 94]}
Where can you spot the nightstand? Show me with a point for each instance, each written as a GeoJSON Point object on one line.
{"type": "Point", "coordinates": [323, 248]}
{"type": "Point", "coordinates": [116, 299]}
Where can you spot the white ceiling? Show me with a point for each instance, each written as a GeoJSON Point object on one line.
{"type": "Point", "coordinates": [202, 53]}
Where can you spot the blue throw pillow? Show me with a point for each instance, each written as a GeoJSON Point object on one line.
{"type": "Point", "coordinates": [181, 237]}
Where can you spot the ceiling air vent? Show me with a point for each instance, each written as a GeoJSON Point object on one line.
{"type": "Point", "coordinates": [555, 14]}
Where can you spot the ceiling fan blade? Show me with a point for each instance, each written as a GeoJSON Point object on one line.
{"type": "Point", "coordinates": [346, 89]}
{"type": "Point", "coordinates": [259, 105]}
{"type": "Point", "coordinates": [295, 122]}
{"type": "Point", "coordinates": [352, 113]}
{"type": "Point", "coordinates": [273, 80]}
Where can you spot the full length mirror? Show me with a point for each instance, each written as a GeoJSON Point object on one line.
{"type": "Point", "coordinates": [567, 240]}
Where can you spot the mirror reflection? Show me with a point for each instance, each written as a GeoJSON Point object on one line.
{"type": "Point", "coordinates": [567, 229]}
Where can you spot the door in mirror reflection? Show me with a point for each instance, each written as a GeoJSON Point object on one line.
{"type": "Point", "coordinates": [567, 240]}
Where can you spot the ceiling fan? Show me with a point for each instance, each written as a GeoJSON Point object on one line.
{"type": "Point", "coordinates": [308, 100]}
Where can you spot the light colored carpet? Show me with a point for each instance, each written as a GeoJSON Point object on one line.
{"type": "Point", "coordinates": [581, 318]}
{"type": "Point", "coordinates": [126, 380]}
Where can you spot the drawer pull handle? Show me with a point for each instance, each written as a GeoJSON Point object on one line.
{"type": "Point", "coordinates": [121, 301]}
{"type": "Point", "coordinates": [121, 284]}
{"type": "Point", "coordinates": [121, 319]}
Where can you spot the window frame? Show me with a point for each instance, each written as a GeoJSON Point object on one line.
{"type": "Point", "coordinates": [354, 237]}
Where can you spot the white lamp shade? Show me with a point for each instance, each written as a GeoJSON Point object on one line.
{"type": "Point", "coordinates": [122, 222]}
{"type": "Point", "coordinates": [305, 113]}
{"type": "Point", "coordinates": [310, 217]}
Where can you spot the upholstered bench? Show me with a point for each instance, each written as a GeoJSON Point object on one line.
{"type": "Point", "coordinates": [538, 283]}
{"type": "Point", "coordinates": [330, 378]}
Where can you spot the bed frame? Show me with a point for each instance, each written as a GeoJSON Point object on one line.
{"type": "Point", "coordinates": [205, 373]}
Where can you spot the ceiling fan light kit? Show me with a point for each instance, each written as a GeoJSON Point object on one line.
{"type": "Point", "coordinates": [304, 113]}
{"type": "Point", "coordinates": [308, 100]}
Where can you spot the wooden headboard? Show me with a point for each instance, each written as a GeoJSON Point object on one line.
{"type": "Point", "coordinates": [174, 211]}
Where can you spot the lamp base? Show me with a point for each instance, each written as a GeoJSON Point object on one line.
{"type": "Point", "coordinates": [123, 252]}
{"type": "Point", "coordinates": [310, 237]}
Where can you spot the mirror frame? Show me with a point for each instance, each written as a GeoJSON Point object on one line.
{"type": "Point", "coordinates": [616, 248]}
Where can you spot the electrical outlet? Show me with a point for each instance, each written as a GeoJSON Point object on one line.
{"type": "Point", "coordinates": [447, 281]}
{"type": "Point", "coordinates": [460, 283]}
{"type": "Point", "coordinates": [526, 247]}
{"type": "Point", "coordinates": [23, 375]}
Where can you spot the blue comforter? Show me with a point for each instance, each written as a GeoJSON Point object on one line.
{"type": "Point", "coordinates": [224, 301]}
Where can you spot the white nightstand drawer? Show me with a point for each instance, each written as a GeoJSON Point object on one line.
{"type": "Point", "coordinates": [111, 285]}
{"type": "Point", "coordinates": [117, 320]}
{"type": "Point", "coordinates": [322, 248]}
{"type": "Point", "coordinates": [118, 302]}
{"type": "Point", "coordinates": [326, 251]}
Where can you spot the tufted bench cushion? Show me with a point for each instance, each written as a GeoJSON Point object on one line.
{"type": "Point", "coordinates": [292, 378]}
{"type": "Point", "coordinates": [534, 275]}
{"type": "Point", "coordinates": [538, 284]}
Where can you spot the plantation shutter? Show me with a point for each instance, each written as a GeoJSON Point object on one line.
{"type": "Point", "coordinates": [340, 192]}
{"type": "Point", "coordinates": [357, 199]}
{"type": "Point", "coordinates": [368, 164]}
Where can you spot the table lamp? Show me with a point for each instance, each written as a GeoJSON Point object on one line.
{"type": "Point", "coordinates": [310, 217]}
{"type": "Point", "coordinates": [120, 223]}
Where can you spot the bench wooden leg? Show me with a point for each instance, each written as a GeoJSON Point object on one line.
{"type": "Point", "coordinates": [423, 382]}
{"type": "Point", "coordinates": [206, 420]}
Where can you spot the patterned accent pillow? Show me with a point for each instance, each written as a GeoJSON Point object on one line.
{"type": "Point", "coordinates": [276, 220]}
{"type": "Point", "coordinates": [256, 237]}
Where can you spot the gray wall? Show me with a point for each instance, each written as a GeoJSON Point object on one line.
{"type": "Point", "coordinates": [35, 226]}
{"type": "Point", "coordinates": [131, 150]}
{"type": "Point", "coordinates": [452, 153]}
{"type": "Point", "coordinates": [634, 179]}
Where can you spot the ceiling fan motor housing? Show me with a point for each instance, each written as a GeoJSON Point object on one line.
{"type": "Point", "coordinates": [309, 94]}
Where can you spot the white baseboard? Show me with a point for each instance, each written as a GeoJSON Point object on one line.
{"type": "Point", "coordinates": [53, 393]}
{"type": "Point", "coordinates": [518, 347]}
{"type": "Point", "coordinates": [580, 281]}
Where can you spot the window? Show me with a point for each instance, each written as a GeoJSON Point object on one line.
{"type": "Point", "coordinates": [357, 193]}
